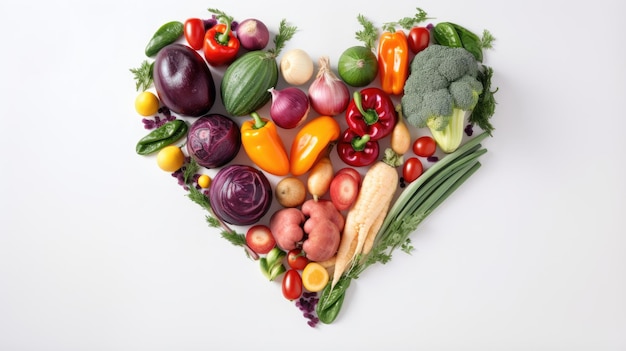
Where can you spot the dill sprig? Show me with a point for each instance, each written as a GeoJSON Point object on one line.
{"type": "Point", "coordinates": [143, 75]}
{"type": "Point", "coordinates": [213, 221]}
{"type": "Point", "coordinates": [285, 32]}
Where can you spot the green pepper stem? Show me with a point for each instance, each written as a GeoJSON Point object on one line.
{"type": "Point", "coordinates": [370, 116]}
{"type": "Point", "coordinates": [258, 122]}
{"type": "Point", "coordinates": [359, 143]}
{"type": "Point", "coordinates": [223, 38]}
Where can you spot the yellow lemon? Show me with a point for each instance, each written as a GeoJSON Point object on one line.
{"type": "Point", "coordinates": [147, 104]}
{"type": "Point", "coordinates": [170, 158]}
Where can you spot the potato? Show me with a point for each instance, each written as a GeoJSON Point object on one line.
{"type": "Point", "coordinates": [290, 192]}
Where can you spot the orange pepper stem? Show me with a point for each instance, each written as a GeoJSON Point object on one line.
{"type": "Point", "coordinates": [258, 122]}
{"type": "Point", "coordinates": [370, 116]}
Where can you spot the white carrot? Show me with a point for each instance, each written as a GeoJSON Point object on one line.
{"type": "Point", "coordinates": [368, 212]}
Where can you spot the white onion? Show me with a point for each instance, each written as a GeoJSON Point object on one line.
{"type": "Point", "coordinates": [296, 67]}
{"type": "Point", "coordinates": [290, 107]}
{"type": "Point", "coordinates": [328, 94]}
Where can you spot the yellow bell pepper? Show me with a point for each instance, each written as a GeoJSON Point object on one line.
{"type": "Point", "coordinates": [310, 141]}
{"type": "Point", "coordinates": [260, 140]}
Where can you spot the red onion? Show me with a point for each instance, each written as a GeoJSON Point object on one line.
{"type": "Point", "coordinates": [328, 94]}
{"type": "Point", "coordinates": [290, 107]}
{"type": "Point", "coordinates": [253, 34]}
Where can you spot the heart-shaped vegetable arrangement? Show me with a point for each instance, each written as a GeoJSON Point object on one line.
{"type": "Point", "coordinates": [400, 114]}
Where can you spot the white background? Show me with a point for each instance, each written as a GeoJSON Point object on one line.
{"type": "Point", "coordinates": [101, 250]}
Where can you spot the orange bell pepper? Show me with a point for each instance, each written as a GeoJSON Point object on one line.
{"type": "Point", "coordinates": [260, 140]}
{"type": "Point", "coordinates": [310, 141]}
{"type": "Point", "coordinates": [393, 61]}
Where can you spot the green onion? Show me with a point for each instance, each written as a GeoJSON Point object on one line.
{"type": "Point", "coordinates": [419, 199]}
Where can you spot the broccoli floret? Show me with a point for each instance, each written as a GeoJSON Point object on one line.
{"type": "Point", "coordinates": [441, 90]}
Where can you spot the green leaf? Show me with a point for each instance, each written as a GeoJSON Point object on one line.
{"type": "Point", "coordinates": [143, 75]}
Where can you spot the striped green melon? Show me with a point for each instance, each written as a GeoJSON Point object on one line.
{"type": "Point", "coordinates": [246, 82]}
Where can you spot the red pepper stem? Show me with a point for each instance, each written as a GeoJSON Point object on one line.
{"type": "Point", "coordinates": [359, 143]}
{"type": "Point", "coordinates": [370, 116]}
{"type": "Point", "coordinates": [223, 38]}
{"type": "Point", "coordinates": [258, 122]}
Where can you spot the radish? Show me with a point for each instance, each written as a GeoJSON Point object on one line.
{"type": "Point", "coordinates": [351, 171]}
{"type": "Point", "coordinates": [344, 189]}
{"type": "Point", "coordinates": [260, 239]}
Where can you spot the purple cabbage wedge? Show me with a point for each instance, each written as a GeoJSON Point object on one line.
{"type": "Point", "coordinates": [240, 194]}
{"type": "Point", "coordinates": [183, 81]}
{"type": "Point", "coordinates": [213, 140]}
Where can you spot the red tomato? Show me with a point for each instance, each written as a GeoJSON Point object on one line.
{"type": "Point", "coordinates": [194, 33]}
{"type": "Point", "coordinates": [419, 39]}
{"type": "Point", "coordinates": [424, 146]}
{"type": "Point", "coordinates": [292, 285]}
{"type": "Point", "coordinates": [412, 169]}
{"type": "Point", "coordinates": [296, 259]}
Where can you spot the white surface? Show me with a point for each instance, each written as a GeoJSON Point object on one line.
{"type": "Point", "coordinates": [100, 250]}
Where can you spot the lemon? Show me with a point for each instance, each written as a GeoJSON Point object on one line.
{"type": "Point", "coordinates": [170, 158]}
{"type": "Point", "coordinates": [147, 104]}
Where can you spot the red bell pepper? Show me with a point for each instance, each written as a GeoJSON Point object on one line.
{"type": "Point", "coordinates": [356, 150]}
{"type": "Point", "coordinates": [220, 44]}
{"type": "Point", "coordinates": [371, 112]}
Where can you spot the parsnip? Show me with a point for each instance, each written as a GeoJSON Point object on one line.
{"type": "Point", "coordinates": [368, 212]}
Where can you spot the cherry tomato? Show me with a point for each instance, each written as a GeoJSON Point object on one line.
{"type": "Point", "coordinates": [424, 146]}
{"type": "Point", "coordinates": [194, 33]}
{"type": "Point", "coordinates": [412, 169]}
{"type": "Point", "coordinates": [418, 38]}
{"type": "Point", "coordinates": [292, 285]}
{"type": "Point", "coordinates": [296, 259]}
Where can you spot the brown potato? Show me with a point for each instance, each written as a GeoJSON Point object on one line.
{"type": "Point", "coordinates": [290, 192]}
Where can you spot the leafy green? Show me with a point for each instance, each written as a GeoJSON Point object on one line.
{"type": "Point", "coordinates": [143, 75]}
{"type": "Point", "coordinates": [369, 34]}
{"type": "Point", "coordinates": [285, 33]}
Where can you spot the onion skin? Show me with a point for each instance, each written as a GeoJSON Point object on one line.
{"type": "Point", "coordinates": [253, 34]}
{"type": "Point", "coordinates": [290, 107]}
{"type": "Point", "coordinates": [296, 67]}
{"type": "Point", "coordinates": [328, 95]}
{"type": "Point", "coordinates": [213, 140]}
{"type": "Point", "coordinates": [240, 194]}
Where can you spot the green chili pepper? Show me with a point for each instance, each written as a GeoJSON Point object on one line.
{"type": "Point", "coordinates": [331, 300]}
{"type": "Point", "coordinates": [454, 35]}
{"type": "Point", "coordinates": [471, 42]}
{"type": "Point", "coordinates": [165, 35]}
{"type": "Point", "coordinates": [445, 34]}
{"type": "Point", "coordinates": [161, 137]}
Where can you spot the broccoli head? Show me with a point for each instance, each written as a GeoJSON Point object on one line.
{"type": "Point", "coordinates": [442, 88]}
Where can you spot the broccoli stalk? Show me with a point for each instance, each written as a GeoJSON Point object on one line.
{"type": "Point", "coordinates": [441, 92]}
{"type": "Point", "coordinates": [450, 137]}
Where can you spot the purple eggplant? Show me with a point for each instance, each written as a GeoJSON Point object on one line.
{"type": "Point", "coordinates": [183, 81]}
